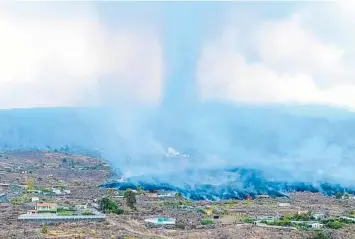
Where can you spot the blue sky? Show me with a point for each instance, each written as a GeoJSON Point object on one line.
{"type": "Point", "coordinates": [99, 53]}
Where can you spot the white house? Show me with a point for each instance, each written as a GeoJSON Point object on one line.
{"type": "Point", "coordinates": [283, 204]}
{"type": "Point", "coordinates": [56, 191]}
{"type": "Point", "coordinates": [84, 206]}
{"type": "Point", "coordinates": [316, 225]}
{"type": "Point", "coordinates": [35, 199]}
{"type": "Point", "coordinates": [161, 221]}
{"type": "Point", "coordinates": [67, 191]}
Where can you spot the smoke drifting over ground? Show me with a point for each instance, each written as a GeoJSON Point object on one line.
{"type": "Point", "coordinates": [228, 148]}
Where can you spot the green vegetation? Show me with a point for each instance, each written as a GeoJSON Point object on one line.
{"type": "Point", "coordinates": [352, 214]}
{"type": "Point", "coordinates": [302, 217]}
{"type": "Point", "coordinates": [201, 210]}
{"type": "Point", "coordinates": [44, 229]}
{"type": "Point", "coordinates": [16, 201]}
{"type": "Point", "coordinates": [178, 195]}
{"type": "Point", "coordinates": [109, 206]}
{"type": "Point", "coordinates": [30, 184]}
{"type": "Point", "coordinates": [63, 213]}
{"type": "Point", "coordinates": [111, 191]}
{"type": "Point", "coordinates": [140, 189]}
{"type": "Point", "coordinates": [87, 213]}
{"type": "Point", "coordinates": [248, 220]}
{"type": "Point", "coordinates": [334, 224]}
{"type": "Point", "coordinates": [285, 222]}
{"type": "Point", "coordinates": [130, 197]}
{"type": "Point", "coordinates": [20, 200]}
{"type": "Point", "coordinates": [25, 198]}
{"type": "Point", "coordinates": [338, 195]}
{"type": "Point", "coordinates": [321, 235]}
{"type": "Point", "coordinates": [207, 222]}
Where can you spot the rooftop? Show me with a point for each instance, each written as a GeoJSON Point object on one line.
{"type": "Point", "coordinates": [46, 204]}
{"type": "Point", "coordinates": [3, 198]}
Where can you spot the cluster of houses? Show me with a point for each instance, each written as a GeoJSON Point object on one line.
{"type": "Point", "coordinates": [49, 191]}
{"type": "Point", "coordinates": [310, 223]}
{"type": "Point", "coordinates": [18, 169]}
{"type": "Point", "coordinates": [49, 211]}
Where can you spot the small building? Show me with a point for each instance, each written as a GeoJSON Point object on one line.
{"type": "Point", "coordinates": [56, 191]}
{"type": "Point", "coordinates": [316, 225]}
{"type": "Point", "coordinates": [4, 186]}
{"type": "Point", "coordinates": [161, 221]}
{"type": "Point", "coordinates": [42, 207]}
{"type": "Point", "coordinates": [66, 191]}
{"type": "Point", "coordinates": [35, 199]}
{"type": "Point", "coordinates": [84, 206]}
{"type": "Point", "coordinates": [302, 212]}
{"type": "Point", "coordinates": [347, 218]}
{"type": "Point", "coordinates": [283, 204]}
{"type": "Point", "coordinates": [151, 194]}
{"type": "Point", "coordinates": [4, 201]}
{"type": "Point", "coordinates": [267, 218]}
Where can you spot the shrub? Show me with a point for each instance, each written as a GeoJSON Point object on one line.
{"type": "Point", "coordinates": [44, 229]}
{"type": "Point", "coordinates": [109, 206]}
{"type": "Point", "coordinates": [321, 235]}
{"type": "Point", "coordinates": [334, 225]}
{"type": "Point", "coordinates": [201, 210]}
{"type": "Point", "coordinates": [207, 222]}
{"type": "Point", "coordinates": [248, 220]}
{"type": "Point", "coordinates": [87, 213]}
{"type": "Point", "coordinates": [63, 213]}
{"type": "Point", "coordinates": [118, 211]}
{"type": "Point", "coordinates": [130, 197]}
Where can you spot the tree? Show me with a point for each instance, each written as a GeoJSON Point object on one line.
{"type": "Point", "coordinates": [109, 206]}
{"type": "Point", "coordinates": [130, 197]}
{"type": "Point", "coordinates": [334, 224]}
{"type": "Point", "coordinates": [140, 189]}
{"type": "Point", "coordinates": [178, 195]}
{"type": "Point", "coordinates": [346, 196]}
{"type": "Point", "coordinates": [25, 198]}
{"type": "Point", "coordinates": [30, 183]}
{"type": "Point", "coordinates": [44, 229]}
{"type": "Point", "coordinates": [338, 195]}
{"type": "Point", "coordinates": [111, 191]}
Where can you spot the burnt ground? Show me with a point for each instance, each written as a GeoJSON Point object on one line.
{"type": "Point", "coordinates": [51, 169]}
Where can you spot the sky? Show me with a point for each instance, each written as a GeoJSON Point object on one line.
{"type": "Point", "coordinates": [139, 53]}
